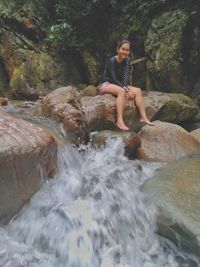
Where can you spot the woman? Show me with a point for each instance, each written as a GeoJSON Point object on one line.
{"type": "Point", "coordinates": [115, 81]}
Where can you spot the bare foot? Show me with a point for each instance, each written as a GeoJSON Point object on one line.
{"type": "Point", "coordinates": [122, 126]}
{"type": "Point", "coordinates": [146, 121]}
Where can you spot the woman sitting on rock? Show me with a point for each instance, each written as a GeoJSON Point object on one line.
{"type": "Point", "coordinates": [115, 81]}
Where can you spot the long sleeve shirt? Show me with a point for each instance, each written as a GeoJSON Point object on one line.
{"type": "Point", "coordinates": [117, 73]}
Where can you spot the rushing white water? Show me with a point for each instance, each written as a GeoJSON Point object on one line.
{"type": "Point", "coordinates": [92, 214]}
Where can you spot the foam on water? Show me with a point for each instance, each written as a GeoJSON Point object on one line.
{"type": "Point", "coordinates": [92, 214]}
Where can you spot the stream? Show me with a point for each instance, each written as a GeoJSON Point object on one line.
{"type": "Point", "coordinates": [91, 214]}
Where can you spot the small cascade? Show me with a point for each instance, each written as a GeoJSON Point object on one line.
{"type": "Point", "coordinates": [92, 214]}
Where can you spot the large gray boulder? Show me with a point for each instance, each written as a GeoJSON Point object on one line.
{"type": "Point", "coordinates": [27, 155]}
{"type": "Point", "coordinates": [166, 142]}
{"type": "Point", "coordinates": [63, 105]}
{"type": "Point", "coordinates": [170, 107]}
{"type": "Point", "coordinates": [175, 190]}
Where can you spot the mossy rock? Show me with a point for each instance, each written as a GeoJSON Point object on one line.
{"type": "Point", "coordinates": [34, 77]}
{"type": "Point", "coordinates": [164, 46]}
{"type": "Point", "coordinates": [180, 108]}
{"type": "Point", "coordinates": [92, 67]}
{"type": "Point", "coordinates": [30, 14]}
{"type": "Point", "coordinates": [175, 190]}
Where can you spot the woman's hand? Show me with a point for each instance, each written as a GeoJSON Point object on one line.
{"type": "Point", "coordinates": [130, 95]}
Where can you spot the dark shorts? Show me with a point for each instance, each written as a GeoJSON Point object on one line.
{"type": "Point", "coordinates": [102, 86]}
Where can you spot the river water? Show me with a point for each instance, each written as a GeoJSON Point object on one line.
{"type": "Point", "coordinates": [92, 214]}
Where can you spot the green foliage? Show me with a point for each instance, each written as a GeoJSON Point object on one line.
{"type": "Point", "coordinates": [69, 16]}
{"type": "Point", "coordinates": [75, 20]}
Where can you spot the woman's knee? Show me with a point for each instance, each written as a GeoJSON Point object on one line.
{"type": "Point", "coordinates": [121, 92]}
{"type": "Point", "coordinates": [137, 90]}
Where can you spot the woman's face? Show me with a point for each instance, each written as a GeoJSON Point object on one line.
{"type": "Point", "coordinates": [124, 50]}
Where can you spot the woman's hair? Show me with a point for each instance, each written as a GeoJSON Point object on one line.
{"type": "Point", "coordinates": [120, 43]}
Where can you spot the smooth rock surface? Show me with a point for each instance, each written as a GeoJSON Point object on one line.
{"type": "Point", "coordinates": [166, 142]}
{"type": "Point", "coordinates": [196, 134]}
{"type": "Point", "coordinates": [175, 190]}
{"type": "Point", "coordinates": [27, 155]}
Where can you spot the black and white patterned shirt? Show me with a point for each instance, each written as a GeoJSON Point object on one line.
{"type": "Point", "coordinates": [117, 73]}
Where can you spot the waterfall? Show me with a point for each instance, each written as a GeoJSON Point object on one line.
{"type": "Point", "coordinates": [91, 214]}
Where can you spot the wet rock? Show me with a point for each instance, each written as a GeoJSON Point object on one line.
{"type": "Point", "coordinates": [175, 190]}
{"type": "Point", "coordinates": [3, 101]}
{"type": "Point", "coordinates": [166, 142]}
{"type": "Point", "coordinates": [63, 106]}
{"type": "Point", "coordinates": [131, 140]}
{"type": "Point", "coordinates": [196, 134]}
{"type": "Point", "coordinates": [27, 154]}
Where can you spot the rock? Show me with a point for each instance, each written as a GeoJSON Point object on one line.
{"type": "Point", "coordinates": [27, 15]}
{"type": "Point", "coordinates": [100, 112]}
{"type": "Point", "coordinates": [196, 118]}
{"type": "Point", "coordinates": [3, 101]}
{"type": "Point", "coordinates": [175, 190]}
{"type": "Point", "coordinates": [90, 90]}
{"type": "Point", "coordinates": [30, 65]}
{"type": "Point", "coordinates": [91, 66]}
{"type": "Point", "coordinates": [63, 106]}
{"type": "Point", "coordinates": [131, 140]}
{"type": "Point", "coordinates": [35, 77]}
{"type": "Point", "coordinates": [27, 155]}
{"type": "Point", "coordinates": [196, 92]}
{"type": "Point", "coordinates": [173, 65]}
{"type": "Point", "coordinates": [166, 142]}
{"type": "Point", "coordinates": [170, 107]}
{"type": "Point", "coordinates": [196, 134]}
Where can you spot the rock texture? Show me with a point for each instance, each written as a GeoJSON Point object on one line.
{"type": "Point", "coordinates": [172, 46]}
{"type": "Point", "coordinates": [63, 106]}
{"type": "Point", "coordinates": [170, 107]}
{"type": "Point", "coordinates": [196, 134]}
{"type": "Point", "coordinates": [29, 65]}
{"type": "Point", "coordinates": [3, 101]}
{"type": "Point", "coordinates": [101, 114]}
{"type": "Point", "coordinates": [27, 154]}
{"type": "Point", "coordinates": [166, 142]}
{"type": "Point", "coordinates": [175, 190]}
{"type": "Point", "coordinates": [35, 77]}
{"type": "Point", "coordinates": [90, 90]}
{"type": "Point", "coordinates": [131, 140]}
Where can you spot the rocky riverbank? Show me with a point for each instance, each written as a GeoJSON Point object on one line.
{"type": "Point", "coordinates": [27, 148]}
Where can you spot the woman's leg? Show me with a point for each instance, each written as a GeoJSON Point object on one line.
{"type": "Point", "coordinates": [139, 101]}
{"type": "Point", "coordinates": [120, 102]}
